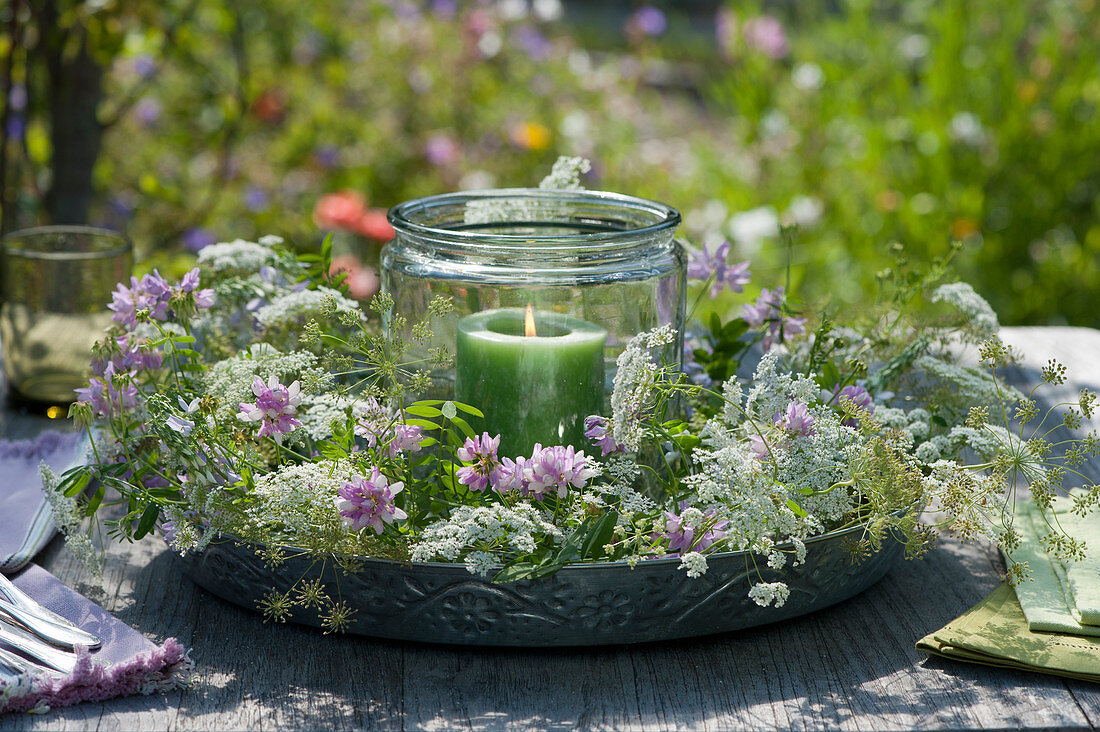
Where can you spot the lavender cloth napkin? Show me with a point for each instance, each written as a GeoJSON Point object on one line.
{"type": "Point", "coordinates": [26, 524]}
{"type": "Point", "coordinates": [127, 663]}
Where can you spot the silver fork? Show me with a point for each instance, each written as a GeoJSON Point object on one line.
{"type": "Point", "coordinates": [38, 651]}
{"type": "Point", "coordinates": [13, 666]}
{"type": "Point", "coordinates": [48, 625]}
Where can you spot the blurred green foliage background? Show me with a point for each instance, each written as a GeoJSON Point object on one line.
{"type": "Point", "coordinates": [189, 121]}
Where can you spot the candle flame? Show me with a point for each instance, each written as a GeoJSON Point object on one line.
{"type": "Point", "coordinates": [529, 323]}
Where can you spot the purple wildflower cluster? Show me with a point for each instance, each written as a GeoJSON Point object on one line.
{"type": "Point", "coordinates": [699, 535]}
{"type": "Point", "coordinates": [858, 396]}
{"type": "Point", "coordinates": [547, 470]}
{"type": "Point", "coordinates": [705, 266]}
{"type": "Point", "coordinates": [153, 294]}
{"type": "Point", "coordinates": [768, 311]}
{"type": "Point", "coordinates": [364, 502]}
{"type": "Point", "coordinates": [386, 430]}
{"type": "Point", "coordinates": [274, 408]}
{"type": "Point", "coordinates": [795, 421]}
{"type": "Point", "coordinates": [598, 430]}
{"type": "Point", "coordinates": [116, 364]}
{"type": "Point", "coordinates": [110, 392]}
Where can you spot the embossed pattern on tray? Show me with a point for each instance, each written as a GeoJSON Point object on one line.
{"type": "Point", "coordinates": [592, 604]}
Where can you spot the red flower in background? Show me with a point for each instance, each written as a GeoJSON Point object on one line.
{"type": "Point", "coordinates": [347, 211]}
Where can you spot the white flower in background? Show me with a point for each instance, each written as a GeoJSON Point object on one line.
{"type": "Point", "coordinates": [548, 10]}
{"type": "Point", "coordinates": [971, 305]}
{"type": "Point", "coordinates": [807, 76]}
{"type": "Point", "coordinates": [965, 127]}
{"type": "Point", "coordinates": [804, 211]}
{"type": "Point", "coordinates": [576, 125]}
{"type": "Point", "coordinates": [296, 308]}
{"type": "Point", "coordinates": [774, 123]}
{"type": "Point", "coordinates": [914, 47]}
{"type": "Point", "coordinates": [477, 180]}
{"type": "Point", "coordinates": [512, 10]}
{"type": "Point", "coordinates": [241, 255]}
{"type": "Point", "coordinates": [750, 228]}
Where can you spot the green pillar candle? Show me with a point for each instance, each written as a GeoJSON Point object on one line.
{"type": "Point", "coordinates": [532, 388]}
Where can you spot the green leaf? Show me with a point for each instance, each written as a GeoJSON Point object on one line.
{"type": "Point", "coordinates": [422, 411]}
{"type": "Point", "coordinates": [422, 423]}
{"type": "Point", "coordinates": [798, 510]}
{"type": "Point", "coordinates": [96, 499]}
{"type": "Point", "coordinates": [513, 572]}
{"type": "Point", "coordinates": [464, 426]}
{"type": "Point", "coordinates": [831, 374]}
{"type": "Point", "coordinates": [75, 484]}
{"type": "Point", "coordinates": [148, 520]}
{"type": "Point", "coordinates": [599, 535]}
{"type": "Point", "coordinates": [449, 410]}
{"type": "Point", "coordinates": [734, 329]}
{"type": "Point", "coordinates": [468, 409]}
{"type": "Point", "coordinates": [183, 339]}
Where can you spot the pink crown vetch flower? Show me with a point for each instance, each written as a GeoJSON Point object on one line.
{"type": "Point", "coordinates": [364, 502]}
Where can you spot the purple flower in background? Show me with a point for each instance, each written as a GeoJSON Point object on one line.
{"type": "Point", "coordinates": [681, 529]}
{"type": "Point", "coordinates": [797, 420]}
{"type": "Point", "coordinates": [704, 266]}
{"type": "Point", "coordinates": [482, 452]}
{"type": "Point", "coordinates": [327, 156]}
{"type": "Point", "coordinates": [364, 502]}
{"type": "Point", "coordinates": [150, 293]}
{"type": "Point", "coordinates": [274, 408]}
{"type": "Point", "coordinates": [556, 468]}
{"type": "Point", "coordinates": [148, 111]}
{"type": "Point", "coordinates": [765, 34]}
{"type": "Point", "coordinates": [145, 66]}
{"type": "Point", "coordinates": [445, 9]}
{"type": "Point", "coordinates": [768, 311]}
{"type": "Point", "coordinates": [534, 43]}
{"type": "Point", "coordinates": [198, 238]}
{"type": "Point", "coordinates": [190, 283]}
{"type": "Point", "coordinates": [441, 149]}
{"type": "Point", "coordinates": [17, 97]}
{"type": "Point", "coordinates": [255, 199]}
{"type": "Point", "coordinates": [406, 10]}
{"type": "Point", "coordinates": [858, 396]}
{"type": "Point", "coordinates": [17, 127]}
{"type": "Point", "coordinates": [646, 21]}
{"type": "Point", "coordinates": [596, 430]}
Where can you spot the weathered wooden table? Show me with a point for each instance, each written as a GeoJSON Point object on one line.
{"type": "Point", "coordinates": [852, 666]}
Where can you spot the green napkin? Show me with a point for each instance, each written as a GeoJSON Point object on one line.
{"type": "Point", "coordinates": [1082, 579]}
{"type": "Point", "coordinates": [1059, 598]}
{"type": "Point", "coordinates": [995, 633]}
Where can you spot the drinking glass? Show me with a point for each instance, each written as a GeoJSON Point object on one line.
{"type": "Point", "coordinates": [55, 282]}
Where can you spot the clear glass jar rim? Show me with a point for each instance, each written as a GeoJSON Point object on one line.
{"type": "Point", "coordinates": [665, 218]}
{"type": "Point", "coordinates": [123, 247]}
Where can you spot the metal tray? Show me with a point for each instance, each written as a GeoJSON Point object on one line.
{"type": "Point", "coordinates": [585, 604]}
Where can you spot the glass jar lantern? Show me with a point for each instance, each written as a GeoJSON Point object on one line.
{"type": "Point", "coordinates": [548, 286]}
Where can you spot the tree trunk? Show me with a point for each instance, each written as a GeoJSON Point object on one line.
{"type": "Point", "coordinates": [75, 90]}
